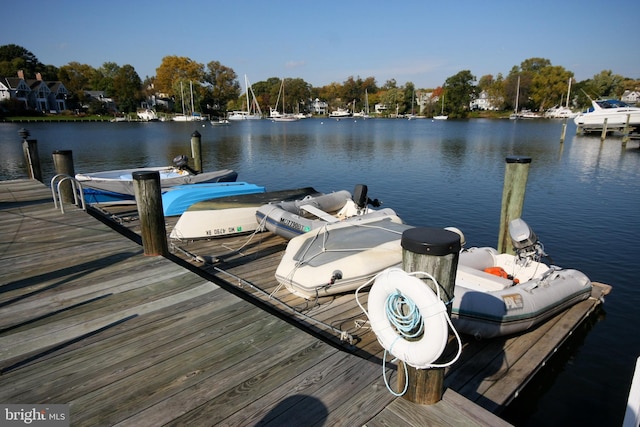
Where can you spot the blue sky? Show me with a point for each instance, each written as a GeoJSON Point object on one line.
{"type": "Point", "coordinates": [326, 41]}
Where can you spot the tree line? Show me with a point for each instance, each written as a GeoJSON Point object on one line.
{"type": "Point", "coordinates": [217, 89]}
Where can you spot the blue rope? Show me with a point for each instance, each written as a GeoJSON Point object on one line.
{"type": "Point", "coordinates": [409, 325]}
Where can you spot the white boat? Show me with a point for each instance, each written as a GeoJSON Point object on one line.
{"type": "Point", "coordinates": [614, 111]}
{"type": "Point", "coordinates": [147, 115]}
{"type": "Point", "coordinates": [290, 219]}
{"type": "Point", "coordinates": [364, 114]}
{"type": "Point", "coordinates": [442, 116]}
{"type": "Point", "coordinates": [220, 122]}
{"type": "Point", "coordinates": [340, 113]}
{"type": "Point", "coordinates": [230, 215]}
{"type": "Point", "coordinates": [253, 111]}
{"type": "Point", "coordinates": [559, 111]}
{"type": "Point", "coordinates": [340, 256]}
{"type": "Point", "coordinates": [193, 117]}
{"type": "Point", "coordinates": [502, 294]}
{"type": "Point", "coordinates": [277, 116]}
{"type": "Point", "coordinates": [116, 185]}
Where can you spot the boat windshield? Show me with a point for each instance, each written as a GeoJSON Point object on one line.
{"type": "Point", "coordinates": [611, 103]}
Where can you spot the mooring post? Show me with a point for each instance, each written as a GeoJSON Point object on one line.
{"type": "Point", "coordinates": [434, 251]}
{"type": "Point", "coordinates": [625, 132]}
{"type": "Point", "coordinates": [30, 149]}
{"type": "Point", "coordinates": [603, 135]}
{"type": "Point", "coordinates": [564, 131]}
{"type": "Point", "coordinates": [196, 151]}
{"type": "Point", "coordinates": [63, 164]}
{"type": "Point", "coordinates": [149, 201]}
{"type": "Point", "coordinates": [515, 183]}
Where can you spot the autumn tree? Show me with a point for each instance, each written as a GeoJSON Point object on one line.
{"type": "Point", "coordinates": [175, 72]}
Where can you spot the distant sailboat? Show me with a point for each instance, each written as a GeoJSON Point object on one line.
{"type": "Point", "coordinates": [442, 116]}
{"type": "Point", "coordinates": [253, 111]}
{"type": "Point", "coordinates": [515, 115]}
{"type": "Point", "coordinates": [184, 117]}
{"type": "Point", "coordinates": [276, 116]}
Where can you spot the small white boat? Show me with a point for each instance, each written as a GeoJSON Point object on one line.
{"type": "Point", "coordinates": [147, 115]}
{"type": "Point", "coordinates": [340, 256]}
{"type": "Point", "coordinates": [502, 294]}
{"type": "Point", "coordinates": [225, 216]}
{"type": "Point", "coordinates": [559, 112]}
{"type": "Point", "coordinates": [616, 113]}
{"type": "Point", "coordinates": [116, 185]}
{"type": "Point", "coordinates": [290, 219]}
{"type": "Point", "coordinates": [220, 122]}
{"type": "Point", "coordinates": [340, 113]}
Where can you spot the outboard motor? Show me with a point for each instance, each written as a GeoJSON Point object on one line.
{"type": "Point", "coordinates": [360, 197]}
{"type": "Point", "coordinates": [525, 242]}
{"type": "Point", "coordinates": [182, 162]}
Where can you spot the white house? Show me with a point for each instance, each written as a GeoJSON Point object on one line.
{"type": "Point", "coordinates": [631, 97]}
{"type": "Point", "coordinates": [483, 102]}
{"type": "Point", "coordinates": [319, 107]}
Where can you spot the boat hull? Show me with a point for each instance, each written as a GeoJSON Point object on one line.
{"type": "Point", "coordinates": [178, 199]}
{"type": "Point", "coordinates": [356, 249]}
{"type": "Point", "coordinates": [118, 184]}
{"type": "Point", "coordinates": [487, 306]}
{"type": "Point", "coordinates": [288, 220]}
{"type": "Point", "coordinates": [230, 215]}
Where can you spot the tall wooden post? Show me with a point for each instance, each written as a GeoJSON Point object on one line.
{"type": "Point", "coordinates": [63, 163]}
{"type": "Point", "coordinates": [30, 149]}
{"type": "Point", "coordinates": [603, 135]}
{"type": "Point", "coordinates": [515, 183]}
{"type": "Point", "coordinates": [196, 151]}
{"type": "Point", "coordinates": [625, 132]}
{"type": "Point", "coordinates": [434, 251]}
{"type": "Point", "coordinates": [149, 200]}
{"type": "Point", "coordinates": [564, 131]}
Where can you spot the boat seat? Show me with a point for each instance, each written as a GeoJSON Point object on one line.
{"type": "Point", "coordinates": [477, 279]}
{"type": "Point", "coordinates": [319, 213]}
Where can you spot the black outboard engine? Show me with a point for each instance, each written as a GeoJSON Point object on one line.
{"type": "Point", "coordinates": [525, 242]}
{"type": "Point", "coordinates": [182, 162]}
{"type": "Point", "coordinates": [360, 197]}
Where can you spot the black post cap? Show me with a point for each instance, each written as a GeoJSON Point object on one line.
{"type": "Point", "coordinates": [431, 241]}
{"type": "Point", "coordinates": [518, 159]}
{"type": "Point", "coordinates": [195, 134]}
{"type": "Point", "coordinates": [145, 175]}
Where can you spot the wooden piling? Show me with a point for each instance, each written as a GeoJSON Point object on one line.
{"type": "Point", "coordinates": [515, 183]}
{"type": "Point", "coordinates": [603, 135]}
{"type": "Point", "coordinates": [149, 201]}
{"type": "Point", "coordinates": [434, 251]}
{"type": "Point", "coordinates": [563, 134]}
{"type": "Point", "coordinates": [625, 132]}
{"type": "Point", "coordinates": [63, 163]}
{"type": "Point", "coordinates": [196, 151]}
{"type": "Point", "coordinates": [30, 149]}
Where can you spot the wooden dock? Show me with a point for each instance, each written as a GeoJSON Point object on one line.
{"type": "Point", "coordinates": [125, 339]}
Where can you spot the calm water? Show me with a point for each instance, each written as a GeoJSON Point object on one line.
{"type": "Point", "coordinates": [583, 201]}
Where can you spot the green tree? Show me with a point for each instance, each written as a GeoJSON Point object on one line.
{"type": "Point", "coordinates": [77, 78]}
{"type": "Point", "coordinates": [459, 89]}
{"type": "Point", "coordinates": [549, 86]}
{"type": "Point", "coordinates": [127, 88]}
{"type": "Point", "coordinates": [14, 58]}
{"type": "Point", "coordinates": [221, 85]}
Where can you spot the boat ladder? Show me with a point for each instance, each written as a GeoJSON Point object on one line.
{"type": "Point", "coordinates": [76, 188]}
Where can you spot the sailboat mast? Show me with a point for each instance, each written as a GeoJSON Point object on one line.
{"type": "Point", "coordinates": [517, 95]}
{"type": "Point", "coordinates": [568, 92]}
{"type": "Point", "coordinates": [182, 96]}
{"type": "Point", "coordinates": [246, 85]}
{"type": "Point", "coordinates": [191, 88]}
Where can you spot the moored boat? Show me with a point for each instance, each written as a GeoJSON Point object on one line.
{"type": "Point", "coordinates": [340, 256]}
{"type": "Point", "coordinates": [178, 199]}
{"type": "Point", "coordinates": [225, 216]}
{"type": "Point", "coordinates": [340, 113]}
{"type": "Point", "coordinates": [290, 219]}
{"type": "Point", "coordinates": [615, 112]}
{"type": "Point", "coordinates": [117, 185]}
{"type": "Point", "coordinates": [501, 294]}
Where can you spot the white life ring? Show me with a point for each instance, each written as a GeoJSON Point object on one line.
{"type": "Point", "coordinates": [420, 353]}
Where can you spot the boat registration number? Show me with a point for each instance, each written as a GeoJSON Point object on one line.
{"type": "Point", "coordinates": [513, 301]}
{"type": "Point", "coordinates": [223, 231]}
